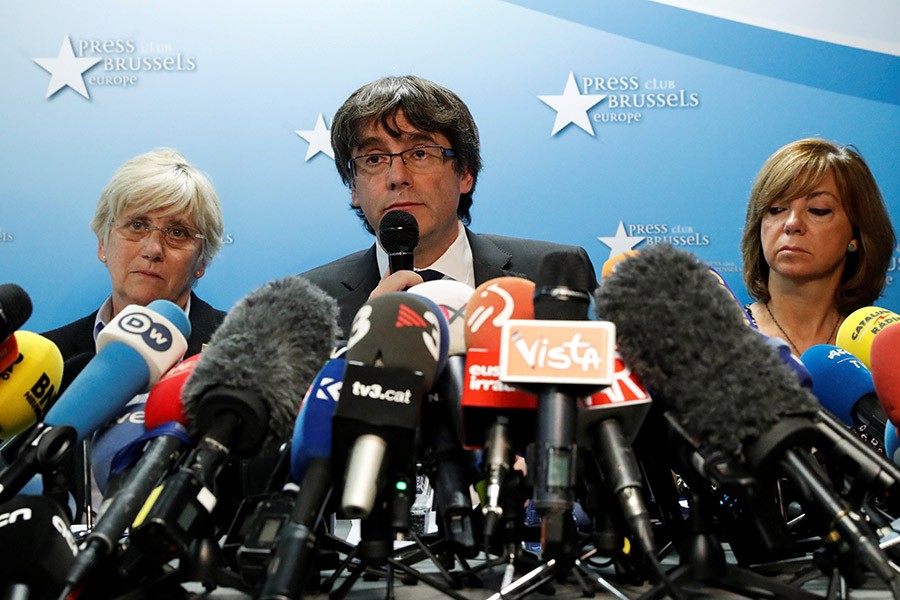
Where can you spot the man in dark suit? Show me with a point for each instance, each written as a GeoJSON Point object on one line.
{"type": "Point", "coordinates": [406, 143]}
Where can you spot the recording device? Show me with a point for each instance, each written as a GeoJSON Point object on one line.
{"type": "Point", "coordinates": [446, 463]}
{"type": "Point", "coordinates": [239, 403]}
{"type": "Point", "coordinates": [36, 547]}
{"type": "Point", "coordinates": [689, 333]}
{"type": "Point", "coordinates": [30, 384]}
{"type": "Point", "coordinates": [560, 356]}
{"type": "Point", "coordinates": [608, 422]}
{"type": "Point", "coordinates": [844, 386]}
{"type": "Point", "coordinates": [892, 443]}
{"type": "Point", "coordinates": [15, 309]}
{"type": "Point", "coordinates": [613, 261]}
{"type": "Point", "coordinates": [860, 329]}
{"type": "Point", "coordinates": [886, 370]}
{"type": "Point", "coordinates": [392, 356]}
{"type": "Point", "coordinates": [484, 396]}
{"type": "Point", "coordinates": [785, 353]}
{"type": "Point", "coordinates": [290, 524]}
{"type": "Point", "coordinates": [9, 351]}
{"type": "Point", "coordinates": [495, 415]}
{"type": "Point", "coordinates": [160, 446]}
{"type": "Point", "coordinates": [133, 351]}
{"type": "Point", "coordinates": [398, 233]}
{"type": "Point", "coordinates": [116, 439]}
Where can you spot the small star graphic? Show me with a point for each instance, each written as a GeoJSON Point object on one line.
{"type": "Point", "coordinates": [66, 69]}
{"type": "Point", "coordinates": [572, 107]}
{"type": "Point", "coordinates": [319, 139]}
{"type": "Point", "coordinates": [621, 243]}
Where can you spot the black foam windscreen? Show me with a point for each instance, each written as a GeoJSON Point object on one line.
{"type": "Point", "coordinates": [15, 308]}
{"type": "Point", "coordinates": [36, 546]}
{"type": "Point", "coordinates": [270, 346]}
{"type": "Point", "coordinates": [562, 288]}
{"type": "Point", "coordinates": [686, 339]}
{"type": "Point", "coordinates": [398, 232]}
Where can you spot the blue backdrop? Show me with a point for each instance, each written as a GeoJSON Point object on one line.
{"type": "Point", "coordinates": [610, 124]}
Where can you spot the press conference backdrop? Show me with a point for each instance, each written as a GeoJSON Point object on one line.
{"type": "Point", "coordinates": [609, 124]}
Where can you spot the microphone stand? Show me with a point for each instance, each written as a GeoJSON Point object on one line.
{"type": "Point", "coordinates": [374, 557]}
{"type": "Point", "coordinates": [702, 557]}
{"type": "Point", "coordinates": [542, 573]}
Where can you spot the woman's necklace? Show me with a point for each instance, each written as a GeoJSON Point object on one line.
{"type": "Point", "coordinates": [788, 338]}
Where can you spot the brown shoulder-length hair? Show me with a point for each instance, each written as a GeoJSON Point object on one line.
{"type": "Point", "coordinates": [795, 170]}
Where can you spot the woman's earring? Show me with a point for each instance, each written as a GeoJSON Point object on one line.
{"type": "Point", "coordinates": [851, 247]}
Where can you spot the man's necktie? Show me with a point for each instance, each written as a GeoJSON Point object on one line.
{"type": "Point", "coordinates": [430, 274]}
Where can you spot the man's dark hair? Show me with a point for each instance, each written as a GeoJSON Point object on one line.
{"type": "Point", "coordinates": [427, 106]}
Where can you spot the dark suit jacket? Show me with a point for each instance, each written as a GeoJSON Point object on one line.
{"type": "Point", "coordinates": [351, 279]}
{"type": "Point", "coordinates": [78, 336]}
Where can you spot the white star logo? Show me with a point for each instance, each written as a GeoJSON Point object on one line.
{"type": "Point", "coordinates": [621, 243]}
{"type": "Point", "coordinates": [66, 69]}
{"type": "Point", "coordinates": [572, 107]}
{"type": "Point", "coordinates": [319, 139]}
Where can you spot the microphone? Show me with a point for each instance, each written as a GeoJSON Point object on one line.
{"type": "Point", "coordinates": [399, 236]}
{"type": "Point", "coordinates": [858, 331]}
{"type": "Point", "coordinates": [844, 386]}
{"type": "Point", "coordinates": [871, 472]}
{"type": "Point", "coordinates": [608, 422]}
{"type": "Point", "coordinates": [125, 430]}
{"type": "Point", "coordinates": [291, 563]}
{"type": "Point", "coordinates": [613, 261]}
{"type": "Point", "coordinates": [36, 547]}
{"type": "Point", "coordinates": [885, 367]}
{"type": "Point", "coordinates": [495, 415]}
{"type": "Point", "coordinates": [238, 404]}
{"type": "Point", "coordinates": [446, 463]}
{"type": "Point", "coordinates": [560, 355]}
{"type": "Point", "coordinates": [688, 333]}
{"type": "Point", "coordinates": [165, 404]}
{"type": "Point", "coordinates": [392, 356]}
{"type": "Point", "coordinates": [15, 309]}
{"type": "Point", "coordinates": [134, 350]}
{"type": "Point", "coordinates": [484, 396]}
{"type": "Point", "coordinates": [167, 440]}
{"type": "Point", "coordinates": [892, 443]}
{"type": "Point", "coordinates": [312, 428]}
{"type": "Point", "coordinates": [9, 351]}
{"type": "Point", "coordinates": [29, 385]}
{"type": "Point", "coordinates": [788, 359]}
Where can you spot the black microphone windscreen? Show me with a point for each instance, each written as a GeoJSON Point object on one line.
{"type": "Point", "coordinates": [686, 339]}
{"type": "Point", "coordinates": [560, 269]}
{"type": "Point", "coordinates": [36, 547]}
{"type": "Point", "coordinates": [398, 232]}
{"type": "Point", "coordinates": [271, 345]}
{"type": "Point", "coordinates": [563, 287]}
{"type": "Point", "coordinates": [15, 308]}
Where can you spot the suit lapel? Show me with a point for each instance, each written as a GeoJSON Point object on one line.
{"type": "Point", "coordinates": [363, 274]}
{"type": "Point", "coordinates": [488, 260]}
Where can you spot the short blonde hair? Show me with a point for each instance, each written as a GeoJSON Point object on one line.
{"type": "Point", "coordinates": [162, 179]}
{"type": "Point", "coordinates": [794, 170]}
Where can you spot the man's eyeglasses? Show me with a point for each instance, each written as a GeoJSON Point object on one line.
{"type": "Point", "coordinates": [420, 159]}
{"type": "Point", "coordinates": [175, 236]}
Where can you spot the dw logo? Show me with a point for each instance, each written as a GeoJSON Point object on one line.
{"type": "Point", "coordinates": [156, 335]}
